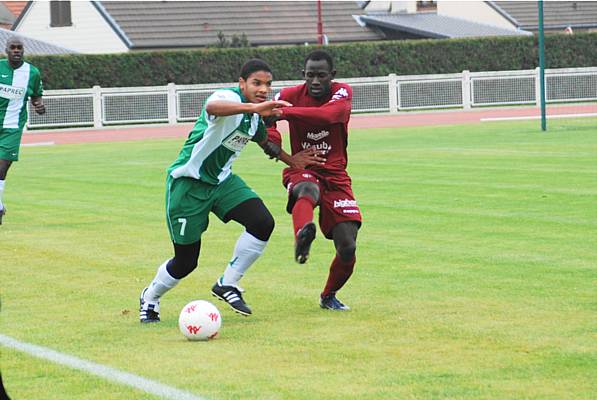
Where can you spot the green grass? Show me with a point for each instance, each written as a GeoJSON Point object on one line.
{"type": "Point", "coordinates": [476, 274]}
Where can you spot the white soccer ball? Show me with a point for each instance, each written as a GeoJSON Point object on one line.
{"type": "Point", "coordinates": [200, 320]}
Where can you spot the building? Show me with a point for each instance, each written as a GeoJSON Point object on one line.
{"type": "Point", "coordinates": [459, 19]}
{"type": "Point", "coordinates": [123, 26]}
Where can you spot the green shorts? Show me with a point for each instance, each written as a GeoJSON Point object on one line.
{"type": "Point", "coordinates": [10, 142]}
{"type": "Point", "coordinates": [189, 202]}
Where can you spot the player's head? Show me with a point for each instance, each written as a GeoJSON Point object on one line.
{"type": "Point", "coordinates": [255, 80]}
{"type": "Point", "coordinates": [318, 73]}
{"type": "Point", "coordinates": [15, 50]}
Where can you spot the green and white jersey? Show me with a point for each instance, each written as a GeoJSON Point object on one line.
{"type": "Point", "coordinates": [16, 86]}
{"type": "Point", "coordinates": [215, 142]}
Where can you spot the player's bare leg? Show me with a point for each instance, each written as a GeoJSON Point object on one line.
{"type": "Point", "coordinates": [4, 166]}
{"type": "Point", "coordinates": [344, 235]}
{"type": "Point", "coordinates": [167, 276]}
{"type": "Point", "coordinates": [259, 225]}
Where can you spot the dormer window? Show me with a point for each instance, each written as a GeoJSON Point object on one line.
{"type": "Point", "coordinates": [60, 13]}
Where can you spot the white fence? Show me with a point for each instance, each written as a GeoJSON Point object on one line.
{"type": "Point", "coordinates": [182, 103]}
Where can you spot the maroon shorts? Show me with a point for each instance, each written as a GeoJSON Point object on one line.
{"type": "Point", "coordinates": [336, 200]}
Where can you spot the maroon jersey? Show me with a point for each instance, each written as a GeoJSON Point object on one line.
{"type": "Point", "coordinates": [320, 123]}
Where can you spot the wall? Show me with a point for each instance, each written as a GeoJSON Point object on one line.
{"type": "Point", "coordinates": [90, 33]}
{"type": "Point", "coordinates": [475, 11]}
{"type": "Point", "coordinates": [404, 6]}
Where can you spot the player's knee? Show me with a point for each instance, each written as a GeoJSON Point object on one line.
{"type": "Point", "coordinates": [345, 240]}
{"type": "Point", "coordinates": [262, 226]}
{"type": "Point", "coordinates": [347, 251]}
{"type": "Point", "coordinates": [307, 189]}
{"type": "Point", "coordinates": [267, 224]}
{"type": "Point", "coordinates": [179, 267]}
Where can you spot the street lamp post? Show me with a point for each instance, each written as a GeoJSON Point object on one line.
{"type": "Point", "coordinates": [319, 24]}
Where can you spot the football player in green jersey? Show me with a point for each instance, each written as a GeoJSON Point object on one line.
{"type": "Point", "coordinates": [201, 182]}
{"type": "Point", "coordinates": [19, 81]}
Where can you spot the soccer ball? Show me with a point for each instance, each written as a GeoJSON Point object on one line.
{"type": "Point", "coordinates": [200, 320]}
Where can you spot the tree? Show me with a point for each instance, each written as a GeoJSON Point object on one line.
{"type": "Point", "coordinates": [235, 41]}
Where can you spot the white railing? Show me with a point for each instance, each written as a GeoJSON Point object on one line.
{"type": "Point", "coordinates": [182, 103]}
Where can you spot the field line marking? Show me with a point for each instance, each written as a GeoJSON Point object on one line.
{"type": "Point", "coordinates": [108, 373]}
{"type": "Point", "coordinates": [537, 117]}
{"type": "Point", "coordinates": [38, 144]}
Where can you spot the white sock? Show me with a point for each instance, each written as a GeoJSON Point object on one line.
{"type": "Point", "coordinates": [248, 249]}
{"type": "Point", "coordinates": [1, 192]}
{"type": "Point", "coordinates": [162, 282]}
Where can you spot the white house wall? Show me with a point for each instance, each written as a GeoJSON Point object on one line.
{"type": "Point", "coordinates": [474, 11]}
{"type": "Point", "coordinates": [89, 33]}
{"type": "Point", "coordinates": [407, 6]}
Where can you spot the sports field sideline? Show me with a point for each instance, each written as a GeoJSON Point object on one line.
{"type": "Point", "coordinates": [476, 274]}
{"type": "Point", "coordinates": [140, 132]}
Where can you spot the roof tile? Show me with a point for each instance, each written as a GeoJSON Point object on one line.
{"type": "Point", "coordinates": [556, 14]}
{"type": "Point", "coordinates": [197, 23]}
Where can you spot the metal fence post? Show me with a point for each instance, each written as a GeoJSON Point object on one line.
{"type": "Point", "coordinates": [97, 107]}
{"type": "Point", "coordinates": [393, 96]}
{"type": "Point", "coordinates": [538, 86]}
{"type": "Point", "coordinates": [542, 66]}
{"type": "Point", "coordinates": [466, 89]}
{"type": "Point", "coordinates": [172, 117]}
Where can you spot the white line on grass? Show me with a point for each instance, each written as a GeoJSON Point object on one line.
{"type": "Point", "coordinates": [538, 117]}
{"type": "Point", "coordinates": [108, 373]}
{"type": "Point", "coordinates": [38, 144]}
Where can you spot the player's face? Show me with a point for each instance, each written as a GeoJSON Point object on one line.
{"type": "Point", "coordinates": [257, 86]}
{"type": "Point", "coordinates": [14, 51]}
{"type": "Point", "coordinates": [318, 78]}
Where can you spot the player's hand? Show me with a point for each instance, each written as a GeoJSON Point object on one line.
{"type": "Point", "coordinates": [271, 108]}
{"type": "Point", "coordinates": [307, 157]}
{"type": "Point", "coordinates": [39, 107]}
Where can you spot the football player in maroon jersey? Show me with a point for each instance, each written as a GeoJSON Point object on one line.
{"type": "Point", "coordinates": [316, 173]}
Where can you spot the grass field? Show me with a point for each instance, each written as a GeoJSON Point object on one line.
{"type": "Point", "coordinates": [476, 275]}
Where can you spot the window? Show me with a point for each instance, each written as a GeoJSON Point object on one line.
{"type": "Point", "coordinates": [60, 13]}
{"type": "Point", "coordinates": [426, 6]}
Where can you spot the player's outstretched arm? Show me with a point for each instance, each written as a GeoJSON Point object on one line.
{"type": "Point", "coordinates": [332, 112]}
{"type": "Point", "coordinates": [223, 108]}
{"type": "Point", "coordinates": [271, 108]}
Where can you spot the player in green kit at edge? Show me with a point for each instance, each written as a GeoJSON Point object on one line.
{"type": "Point", "coordinates": [201, 181]}
{"type": "Point", "coordinates": [19, 80]}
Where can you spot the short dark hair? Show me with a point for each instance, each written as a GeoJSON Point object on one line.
{"type": "Point", "coordinates": [252, 66]}
{"type": "Point", "coordinates": [14, 38]}
{"type": "Point", "coordinates": [318, 55]}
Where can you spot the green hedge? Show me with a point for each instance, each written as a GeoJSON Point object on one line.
{"type": "Point", "coordinates": [406, 57]}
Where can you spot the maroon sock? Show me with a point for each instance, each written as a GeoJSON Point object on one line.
{"type": "Point", "coordinates": [302, 213]}
{"type": "Point", "coordinates": [339, 273]}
